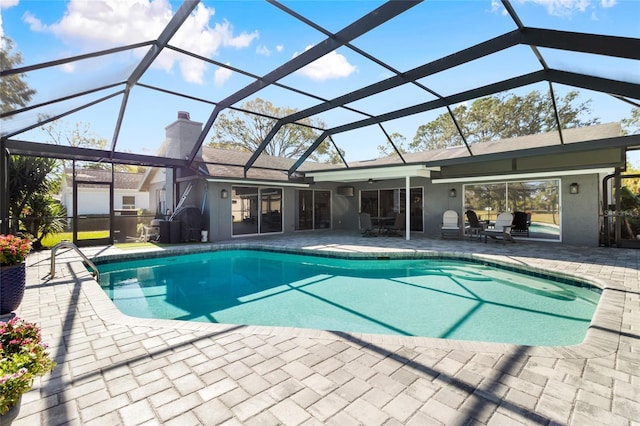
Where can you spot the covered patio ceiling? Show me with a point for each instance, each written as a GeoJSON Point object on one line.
{"type": "Point", "coordinates": [361, 174]}
{"type": "Point", "coordinates": [373, 103]}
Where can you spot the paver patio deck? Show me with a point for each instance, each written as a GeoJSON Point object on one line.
{"type": "Point", "coordinates": [118, 370]}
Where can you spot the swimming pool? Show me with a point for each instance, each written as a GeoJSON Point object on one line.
{"type": "Point", "coordinates": [443, 298]}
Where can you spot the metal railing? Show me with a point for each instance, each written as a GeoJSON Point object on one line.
{"type": "Point", "coordinates": [70, 245]}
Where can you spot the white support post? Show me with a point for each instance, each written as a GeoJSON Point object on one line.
{"type": "Point", "coordinates": [407, 207]}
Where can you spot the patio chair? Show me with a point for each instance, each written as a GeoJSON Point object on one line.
{"type": "Point", "coordinates": [450, 224]}
{"type": "Point", "coordinates": [474, 228]}
{"type": "Point", "coordinates": [151, 232]}
{"type": "Point", "coordinates": [521, 222]}
{"type": "Point", "coordinates": [501, 229]}
{"type": "Point", "coordinates": [366, 226]}
{"type": "Point", "coordinates": [398, 225]}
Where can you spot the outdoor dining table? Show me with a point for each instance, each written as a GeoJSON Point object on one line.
{"type": "Point", "coordinates": [383, 221]}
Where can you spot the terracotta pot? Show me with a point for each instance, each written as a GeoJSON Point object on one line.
{"type": "Point", "coordinates": [13, 280]}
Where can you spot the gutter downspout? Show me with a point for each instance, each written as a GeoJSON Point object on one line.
{"type": "Point", "coordinates": [618, 225]}
{"type": "Point", "coordinates": [605, 209]}
{"type": "Point", "coordinates": [605, 206]}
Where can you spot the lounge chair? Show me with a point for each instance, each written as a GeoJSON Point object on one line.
{"type": "Point", "coordinates": [521, 222]}
{"type": "Point", "coordinates": [450, 224]}
{"type": "Point", "coordinates": [501, 229]}
{"type": "Point", "coordinates": [366, 226]}
{"type": "Point", "coordinates": [474, 228]}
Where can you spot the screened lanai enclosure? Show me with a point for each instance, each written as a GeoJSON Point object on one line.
{"type": "Point", "coordinates": [359, 86]}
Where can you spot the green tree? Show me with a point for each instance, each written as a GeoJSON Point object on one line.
{"type": "Point", "coordinates": [632, 183]}
{"type": "Point", "coordinates": [81, 135]}
{"type": "Point", "coordinates": [500, 117]}
{"type": "Point", "coordinates": [242, 131]}
{"type": "Point", "coordinates": [76, 135]}
{"type": "Point", "coordinates": [398, 140]}
{"type": "Point", "coordinates": [44, 216]}
{"type": "Point", "coordinates": [29, 177]}
{"type": "Point", "coordinates": [14, 91]}
{"type": "Point", "coordinates": [631, 125]}
{"type": "Point", "coordinates": [439, 133]}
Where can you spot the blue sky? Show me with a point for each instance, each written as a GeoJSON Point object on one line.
{"type": "Point", "coordinates": [256, 36]}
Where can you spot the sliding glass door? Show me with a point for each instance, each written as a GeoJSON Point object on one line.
{"type": "Point", "coordinates": [539, 200]}
{"type": "Point", "coordinates": [256, 210]}
{"type": "Point", "coordinates": [386, 203]}
{"type": "Point", "coordinates": [313, 209]}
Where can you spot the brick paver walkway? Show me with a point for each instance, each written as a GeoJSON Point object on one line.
{"type": "Point", "coordinates": [117, 370]}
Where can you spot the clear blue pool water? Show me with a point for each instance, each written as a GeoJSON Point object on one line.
{"type": "Point", "coordinates": [431, 298]}
{"type": "Point", "coordinates": [544, 228]}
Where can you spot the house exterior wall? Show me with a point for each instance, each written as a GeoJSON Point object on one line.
{"type": "Point", "coordinates": [580, 212]}
{"type": "Point", "coordinates": [155, 188]}
{"type": "Point", "coordinates": [96, 200]}
{"type": "Point", "coordinates": [437, 201]}
{"type": "Point", "coordinates": [345, 209]}
{"type": "Point", "coordinates": [219, 211]}
{"type": "Point", "coordinates": [154, 201]}
{"type": "Point", "coordinates": [142, 198]}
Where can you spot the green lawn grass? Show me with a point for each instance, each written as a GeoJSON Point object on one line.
{"type": "Point", "coordinates": [140, 244]}
{"type": "Point", "coordinates": [545, 218]}
{"type": "Point", "coordinates": [53, 239]}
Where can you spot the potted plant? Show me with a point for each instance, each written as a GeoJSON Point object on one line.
{"type": "Point", "coordinates": [23, 357]}
{"type": "Point", "coordinates": [13, 252]}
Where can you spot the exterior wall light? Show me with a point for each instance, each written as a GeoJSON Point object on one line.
{"type": "Point", "coordinates": [224, 194]}
{"type": "Point", "coordinates": [574, 188]}
{"type": "Point", "coordinates": [452, 193]}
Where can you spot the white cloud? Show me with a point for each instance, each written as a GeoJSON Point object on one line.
{"type": "Point", "coordinates": [192, 69]}
{"type": "Point", "coordinates": [496, 6]}
{"type": "Point", "coordinates": [240, 41]}
{"type": "Point", "coordinates": [279, 48]}
{"type": "Point", "coordinates": [561, 7]}
{"type": "Point", "coordinates": [69, 67]}
{"type": "Point", "coordinates": [330, 66]}
{"type": "Point", "coordinates": [94, 25]}
{"type": "Point", "coordinates": [221, 75]}
{"type": "Point", "coordinates": [5, 4]}
{"type": "Point", "coordinates": [263, 50]}
{"type": "Point", "coordinates": [34, 23]}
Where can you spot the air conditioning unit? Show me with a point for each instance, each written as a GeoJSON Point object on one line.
{"type": "Point", "coordinates": [346, 191]}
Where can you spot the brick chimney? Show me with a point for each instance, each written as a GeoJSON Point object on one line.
{"type": "Point", "coordinates": [182, 135]}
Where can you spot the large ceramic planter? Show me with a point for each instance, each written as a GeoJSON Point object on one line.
{"type": "Point", "coordinates": [7, 418]}
{"type": "Point", "coordinates": [12, 284]}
